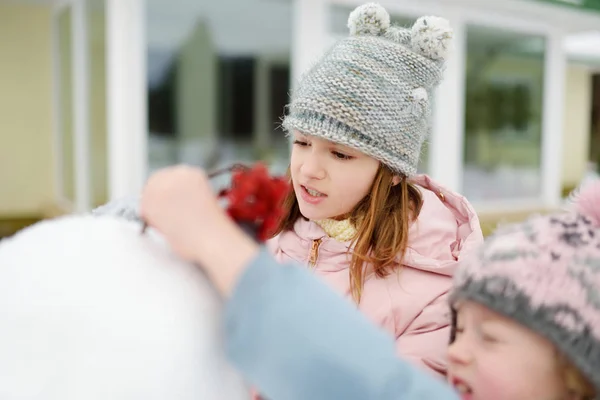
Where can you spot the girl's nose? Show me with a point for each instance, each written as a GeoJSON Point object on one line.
{"type": "Point", "coordinates": [312, 166]}
{"type": "Point", "coordinates": [459, 352]}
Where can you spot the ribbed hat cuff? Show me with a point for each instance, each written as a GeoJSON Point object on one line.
{"type": "Point", "coordinates": [313, 123]}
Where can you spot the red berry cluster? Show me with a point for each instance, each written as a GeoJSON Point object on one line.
{"type": "Point", "coordinates": [255, 198]}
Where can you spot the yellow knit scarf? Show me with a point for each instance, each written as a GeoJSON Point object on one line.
{"type": "Point", "coordinates": [342, 231]}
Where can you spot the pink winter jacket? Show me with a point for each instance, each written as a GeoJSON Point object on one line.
{"type": "Point", "coordinates": [411, 304]}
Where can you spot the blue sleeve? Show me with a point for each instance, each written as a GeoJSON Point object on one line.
{"type": "Point", "coordinates": [295, 339]}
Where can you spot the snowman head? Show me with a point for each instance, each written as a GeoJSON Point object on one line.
{"type": "Point", "coordinates": [90, 309]}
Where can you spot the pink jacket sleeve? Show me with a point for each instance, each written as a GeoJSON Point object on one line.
{"type": "Point", "coordinates": [425, 340]}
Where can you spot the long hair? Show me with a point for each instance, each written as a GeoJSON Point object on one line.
{"type": "Point", "coordinates": [382, 219]}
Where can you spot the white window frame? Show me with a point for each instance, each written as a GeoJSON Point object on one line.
{"type": "Point", "coordinates": [126, 101]}
{"type": "Point", "coordinates": [80, 87]}
{"type": "Point", "coordinates": [126, 97]}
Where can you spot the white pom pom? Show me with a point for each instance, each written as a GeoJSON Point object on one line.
{"type": "Point", "coordinates": [432, 37]}
{"type": "Point", "coordinates": [368, 19]}
{"type": "Point", "coordinates": [419, 95]}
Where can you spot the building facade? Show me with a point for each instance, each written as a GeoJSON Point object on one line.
{"type": "Point", "coordinates": [101, 92]}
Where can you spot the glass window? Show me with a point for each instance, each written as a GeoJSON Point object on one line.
{"type": "Point", "coordinates": [503, 114]}
{"type": "Point", "coordinates": [218, 81]}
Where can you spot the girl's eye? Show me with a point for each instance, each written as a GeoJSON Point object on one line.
{"type": "Point", "coordinates": [341, 156]}
{"type": "Point", "coordinates": [488, 338]}
{"type": "Point", "coordinates": [300, 143]}
{"type": "Point", "coordinates": [458, 331]}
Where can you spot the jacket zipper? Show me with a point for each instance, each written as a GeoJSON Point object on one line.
{"type": "Point", "coordinates": [314, 253]}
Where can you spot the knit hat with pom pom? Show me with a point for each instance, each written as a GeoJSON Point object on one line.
{"type": "Point", "coordinates": [372, 91]}
{"type": "Point", "coordinates": [545, 274]}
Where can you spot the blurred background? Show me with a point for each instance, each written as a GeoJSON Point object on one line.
{"type": "Point", "coordinates": [96, 94]}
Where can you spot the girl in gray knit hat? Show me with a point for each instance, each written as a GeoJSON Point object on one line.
{"type": "Point", "coordinates": [358, 215]}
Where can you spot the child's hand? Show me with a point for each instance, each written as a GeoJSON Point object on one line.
{"type": "Point", "coordinates": [179, 203]}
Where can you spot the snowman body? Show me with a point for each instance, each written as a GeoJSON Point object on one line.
{"type": "Point", "coordinates": [91, 309]}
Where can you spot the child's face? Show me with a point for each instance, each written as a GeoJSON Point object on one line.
{"type": "Point", "coordinates": [329, 179]}
{"type": "Point", "coordinates": [494, 358]}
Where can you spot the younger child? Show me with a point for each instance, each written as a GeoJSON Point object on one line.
{"type": "Point", "coordinates": [527, 310]}
{"type": "Point", "coordinates": [359, 216]}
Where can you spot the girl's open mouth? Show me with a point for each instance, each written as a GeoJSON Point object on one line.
{"type": "Point", "coordinates": [462, 388]}
{"type": "Point", "coordinates": [311, 196]}
{"type": "Point", "coordinates": [313, 192]}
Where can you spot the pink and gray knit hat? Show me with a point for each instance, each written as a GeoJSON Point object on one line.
{"type": "Point", "coordinates": [545, 274]}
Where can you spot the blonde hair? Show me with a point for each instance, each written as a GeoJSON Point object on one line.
{"type": "Point", "coordinates": [382, 219]}
{"type": "Point", "coordinates": [574, 381]}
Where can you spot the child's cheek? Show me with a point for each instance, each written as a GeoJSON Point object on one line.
{"type": "Point", "coordinates": [494, 384]}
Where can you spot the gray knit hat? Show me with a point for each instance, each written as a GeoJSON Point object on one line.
{"type": "Point", "coordinates": [372, 91]}
{"type": "Point", "coordinates": [545, 274]}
